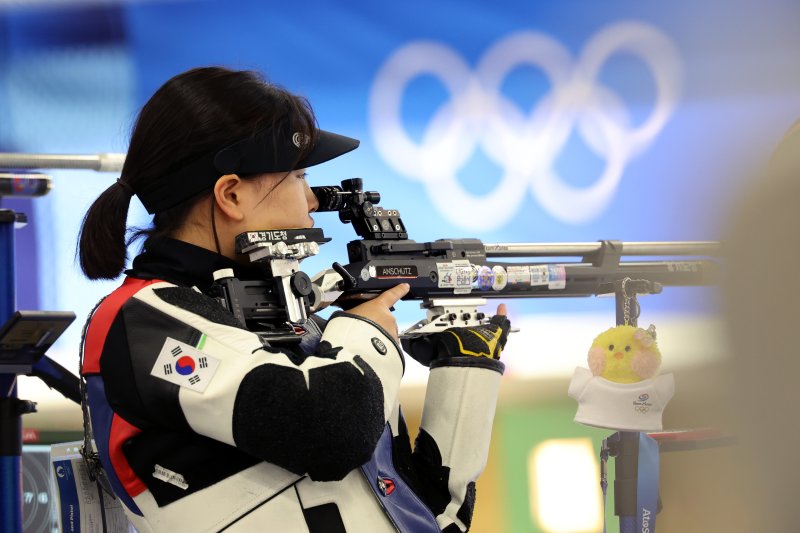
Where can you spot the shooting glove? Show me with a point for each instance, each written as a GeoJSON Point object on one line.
{"type": "Point", "coordinates": [477, 341]}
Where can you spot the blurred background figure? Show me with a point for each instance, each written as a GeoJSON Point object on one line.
{"type": "Point", "coordinates": [762, 298]}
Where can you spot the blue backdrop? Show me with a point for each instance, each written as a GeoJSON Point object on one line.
{"type": "Point", "coordinates": [508, 121]}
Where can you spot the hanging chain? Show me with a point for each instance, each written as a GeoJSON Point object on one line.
{"type": "Point", "coordinates": [626, 303]}
{"type": "Point", "coordinates": [92, 459]}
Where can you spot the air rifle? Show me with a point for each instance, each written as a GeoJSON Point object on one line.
{"type": "Point", "coordinates": [453, 278]}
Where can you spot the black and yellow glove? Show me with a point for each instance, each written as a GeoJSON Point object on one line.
{"type": "Point", "coordinates": [487, 340]}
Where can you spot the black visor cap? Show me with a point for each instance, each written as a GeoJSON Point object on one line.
{"type": "Point", "coordinates": [328, 146]}
{"type": "Point", "coordinates": [271, 150]}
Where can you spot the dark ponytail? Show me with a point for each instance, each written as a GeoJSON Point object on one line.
{"type": "Point", "coordinates": [102, 249]}
{"type": "Point", "coordinates": [192, 114]}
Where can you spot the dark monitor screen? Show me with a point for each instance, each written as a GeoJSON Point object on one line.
{"type": "Point", "coordinates": [38, 515]}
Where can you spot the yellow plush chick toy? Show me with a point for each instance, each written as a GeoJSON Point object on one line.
{"type": "Point", "coordinates": [625, 354]}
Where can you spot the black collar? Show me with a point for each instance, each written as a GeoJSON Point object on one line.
{"type": "Point", "coordinates": [185, 264]}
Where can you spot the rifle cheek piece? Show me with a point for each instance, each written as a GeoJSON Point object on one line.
{"type": "Point", "coordinates": [277, 305]}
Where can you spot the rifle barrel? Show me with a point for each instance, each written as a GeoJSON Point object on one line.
{"type": "Point", "coordinates": [568, 249]}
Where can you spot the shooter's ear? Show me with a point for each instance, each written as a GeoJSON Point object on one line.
{"type": "Point", "coordinates": [227, 194]}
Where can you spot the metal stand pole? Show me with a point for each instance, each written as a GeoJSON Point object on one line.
{"type": "Point", "coordinates": [626, 460]}
{"type": "Point", "coordinates": [10, 406]}
{"type": "Point", "coordinates": [625, 447]}
{"type": "Point", "coordinates": [626, 471]}
{"type": "Point", "coordinates": [26, 360]}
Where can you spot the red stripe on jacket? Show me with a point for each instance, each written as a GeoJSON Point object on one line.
{"type": "Point", "coordinates": [121, 430]}
{"type": "Point", "coordinates": [103, 318]}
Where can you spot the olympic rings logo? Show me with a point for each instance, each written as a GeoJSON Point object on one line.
{"type": "Point", "coordinates": [641, 409]}
{"type": "Point", "coordinates": [525, 145]}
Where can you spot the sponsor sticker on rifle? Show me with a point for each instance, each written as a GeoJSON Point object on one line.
{"type": "Point", "coordinates": [540, 275]}
{"type": "Point", "coordinates": [463, 275]}
{"type": "Point", "coordinates": [557, 278]}
{"type": "Point", "coordinates": [446, 273]}
{"type": "Point", "coordinates": [184, 365]}
{"type": "Point", "coordinates": [485, 278]}
{"type": "Point", "coordinates": [519, 276]}
{"type": "Point", "coordinates": [500, 278]}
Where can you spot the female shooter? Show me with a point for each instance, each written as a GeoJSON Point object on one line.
{"type": "Point", "coordinates": [202, 426]}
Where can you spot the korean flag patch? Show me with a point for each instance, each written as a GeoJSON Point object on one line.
{"type": "Point", "coordinates": [184, 365]}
